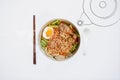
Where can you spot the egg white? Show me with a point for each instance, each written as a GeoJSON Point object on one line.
{"type": "Point", "coordinates": [44, 32]}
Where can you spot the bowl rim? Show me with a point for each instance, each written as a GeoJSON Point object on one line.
{"type": "Point", "coordinates": [40, 34]}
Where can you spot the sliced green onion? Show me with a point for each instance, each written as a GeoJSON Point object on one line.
{"type": "Point", "coordinates": [56, 22]}
{"type": "Point", "coordinates": [76, 32]}
{"type": "Point", "coordinates": [43, 43]}
{"type": "Point", "coordinates": [74, 48]}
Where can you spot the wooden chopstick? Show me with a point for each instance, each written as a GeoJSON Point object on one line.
{"type": "Point", "coordinates": [34, 40]}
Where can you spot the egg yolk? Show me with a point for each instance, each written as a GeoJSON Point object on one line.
{"type": "Point", "coordinates": [49, 32]}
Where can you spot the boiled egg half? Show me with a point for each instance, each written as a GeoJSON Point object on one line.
{"type": "Point", "coordinates": [48, 32]}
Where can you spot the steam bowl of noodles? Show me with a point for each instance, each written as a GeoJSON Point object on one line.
{"type": "Point", "coordinates": [59, 39]}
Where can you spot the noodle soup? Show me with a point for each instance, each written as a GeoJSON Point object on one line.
{"type": "Point", "coordinates": [59, 39]}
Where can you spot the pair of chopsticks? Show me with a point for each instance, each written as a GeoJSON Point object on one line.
{"type": "Point", "coordinates": [34, 40]}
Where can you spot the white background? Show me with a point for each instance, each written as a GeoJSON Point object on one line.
{"type": "Point", "coordinates": [102, 59]}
